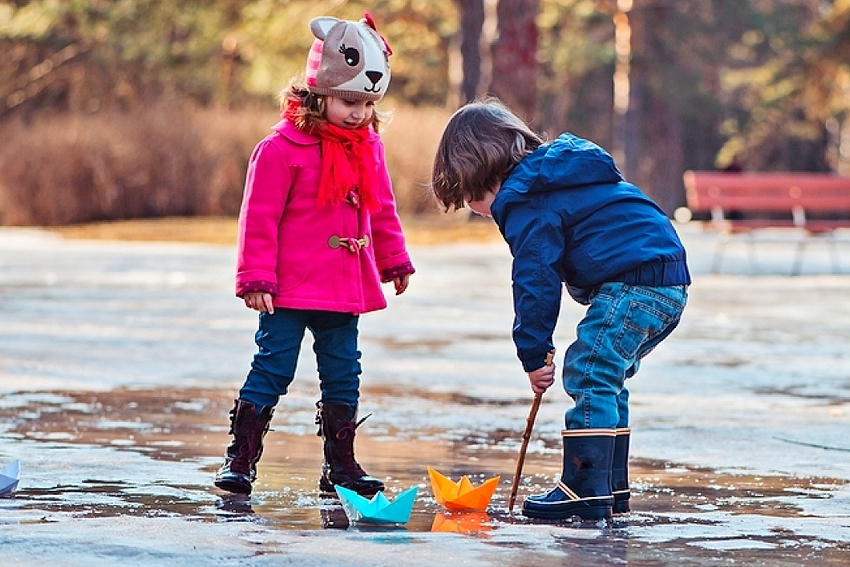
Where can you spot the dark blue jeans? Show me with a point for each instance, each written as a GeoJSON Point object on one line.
{"type": "Point", "coordinates": [623, 324]}
{"type": "Point", "coordinates": [279, 339]}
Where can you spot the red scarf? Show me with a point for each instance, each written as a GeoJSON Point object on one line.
{"type": "Point", "coordinates": [348, 162]}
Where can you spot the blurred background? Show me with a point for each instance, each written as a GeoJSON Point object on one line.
{"type": "Point", "coordinates": [128, 109]}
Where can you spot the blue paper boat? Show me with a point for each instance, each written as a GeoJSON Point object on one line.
{"type": "Point", "coordinates": [378, 510]}
{"type": "Point", "coordinates": [9, 477]}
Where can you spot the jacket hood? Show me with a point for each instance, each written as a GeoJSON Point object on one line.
{"type": "Point", "coordinates": [567, 161]}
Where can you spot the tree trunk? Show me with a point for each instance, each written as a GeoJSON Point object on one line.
{"type": "Point", "coordinates": [515, 56]}
{"type": "Point", "coordinates": [653, 127]}
{"type": "Point", "coordinates": [471, 24]}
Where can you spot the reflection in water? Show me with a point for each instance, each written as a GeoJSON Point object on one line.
{"type": "Point", "coordinates": [333, 518]}
{"type": "Point", "coordinates": [236, 504]}
{"type": "Point", "coordinates": [605, 547]}
{"type": "Point", "coordinates": [708, 513]}
{"type": "Point", "coordinates": [461, 522]}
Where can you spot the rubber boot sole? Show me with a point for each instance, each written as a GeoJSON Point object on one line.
{"type": "Point", "coordinates": [233, 485]}
{"type": "Point", "coordinates": [567, 510]}
{"type": "Point", "coordinates": [326, 489]}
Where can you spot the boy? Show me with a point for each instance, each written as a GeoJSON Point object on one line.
{"type": "Point", "coordinates": [569, 216]}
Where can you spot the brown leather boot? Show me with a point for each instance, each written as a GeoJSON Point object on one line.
{"type": "Point", "coordinates": [336, 427]}
{"type": "Point", "coordinates": [240, 459]}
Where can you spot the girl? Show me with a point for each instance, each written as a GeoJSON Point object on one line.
{"type": "Point", "coordinates": [570, 217]}
{"type": "Point", "coordinates": [318, 234]}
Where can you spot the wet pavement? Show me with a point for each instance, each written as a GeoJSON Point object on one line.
{"type": "Point", "coordinates": [119, 363]}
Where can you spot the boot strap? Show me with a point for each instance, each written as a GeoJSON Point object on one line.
{"type": "Point", "coordinates": [573, 496]}
{"type": "Point", "coordinates": [588, 433]}
{"type": "Point", "coordinates": [318, 422]}
{"type": "Point", "coordinates": [351, 426]}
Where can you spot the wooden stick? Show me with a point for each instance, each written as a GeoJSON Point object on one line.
{"type": "Point", "coordinates": [529, 425]}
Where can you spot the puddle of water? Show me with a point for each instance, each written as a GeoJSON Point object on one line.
{"type": "Point", "coordinates": [752, 387]}
{"type": "Point", "coordinates": [153, 454]}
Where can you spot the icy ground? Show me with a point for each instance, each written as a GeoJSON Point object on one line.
{"type": "Point", "coordinates": [119, 361]}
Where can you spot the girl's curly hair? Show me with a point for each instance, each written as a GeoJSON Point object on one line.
{"type": "Point", "coordinates": [311, 114]}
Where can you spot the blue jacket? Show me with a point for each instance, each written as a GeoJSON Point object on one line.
{"type": "Point", "coordinates": [569, 216]}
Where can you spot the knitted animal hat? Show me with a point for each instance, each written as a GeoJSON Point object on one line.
{"type": "Point", "coordinates": [348, 59]}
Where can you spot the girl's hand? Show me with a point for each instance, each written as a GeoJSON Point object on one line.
{"type": "Point", "coordinates": [400, 283]}
{"type": "Point", "coordinates": [259, 301]}
{"type": "Point", "coordinates": [542, 378]}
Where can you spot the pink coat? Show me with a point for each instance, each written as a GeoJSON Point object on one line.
{"type": "Point", "coordinates": [305, 254]}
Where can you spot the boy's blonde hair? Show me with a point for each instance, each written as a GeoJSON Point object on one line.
{"type": "Point", "coordinates": [483, 141]}
{"type": "Point", "coordinates": [311, 114]}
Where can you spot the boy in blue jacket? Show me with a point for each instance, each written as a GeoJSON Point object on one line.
{"type": "Point", "coordinates": [569, 217]}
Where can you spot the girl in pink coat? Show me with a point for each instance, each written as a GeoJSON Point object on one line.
{"type": "Point", "coordinates": [318, 234]}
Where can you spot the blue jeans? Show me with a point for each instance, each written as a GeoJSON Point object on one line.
{"type": "Point", "coordinates": [623, 324]}
{"type": "Point", "coordinates": [279, 339]}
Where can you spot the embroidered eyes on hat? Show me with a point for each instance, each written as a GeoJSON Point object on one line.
{"type": "Point", "coordinates": [348, 59]}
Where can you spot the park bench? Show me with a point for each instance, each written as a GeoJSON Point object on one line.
{"type": "Point", "coordinates": [812, 204]}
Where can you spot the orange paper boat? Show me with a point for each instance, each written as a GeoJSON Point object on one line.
{"type": "Point", "coordinates": [461, 495]}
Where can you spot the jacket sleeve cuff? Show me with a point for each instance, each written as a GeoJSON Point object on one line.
{"type": "Point", "coordinates": [389, 274]}
{"type": "Point", "coordinates": [391, 262]}
{"type": "Point", "coordinates": [262, 286]}
{"type": "Point", "coordinates": [532, 360]}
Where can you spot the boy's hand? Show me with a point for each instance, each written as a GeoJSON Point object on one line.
{"type": "Point", "coordinates": [400, 283]}
{"type": "Point", "coordinates": [259, 301]}
{"type": "Point", "coordinates": [542, 378]}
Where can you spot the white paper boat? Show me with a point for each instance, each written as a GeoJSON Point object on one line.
{"type": "Point", "coordinates": [9, 478]}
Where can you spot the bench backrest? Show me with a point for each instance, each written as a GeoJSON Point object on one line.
{"type": "Point", "coordinates": [764, 192]}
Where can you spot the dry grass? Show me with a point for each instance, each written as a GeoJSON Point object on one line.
{"type": "Point", "coordinates": [208, 230]}
{"type": "Point", "coordinates": [430, 231]}
{"type": "Point", "coordinates": [222, 230]}
{"type": "Point", "coordinates": [64, 168]}
{"type": "Point", "coordinates": [168, 160]}
{"type": "Point", "coordinates": [411, 139]}
{"type": "Point", "coordinates": [173, 172]}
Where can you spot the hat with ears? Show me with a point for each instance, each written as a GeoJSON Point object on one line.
{"type": "Point", "coordinates": [349, 60]}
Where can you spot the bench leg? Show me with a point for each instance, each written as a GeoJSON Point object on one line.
{"type": "Point", "coordinates": [798, 256]}
{"type": "Point", "coordinates": [751, 251]}
{"type": "Point", "coordinates": [722, 239]}
{"type": "Point", "coordinates": [801, 249]}
{"type": "Point", "coordinates": [833, 254]}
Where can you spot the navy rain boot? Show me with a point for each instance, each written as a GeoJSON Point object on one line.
{"type": "Point", "coordinates": [620, 471]}
{"type": "Point", "coordinates": [336, 427]}
{"type": "Point", "coordinates": [584, 489]}
{"type": "Point", "coordinates": [240, 459]}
